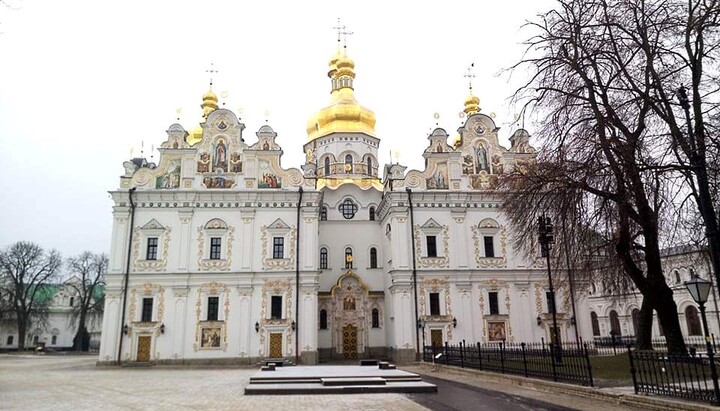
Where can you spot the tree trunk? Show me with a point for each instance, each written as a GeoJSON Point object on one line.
{"type": "Point", "coordinates": [22, 329]}
{"type": "Point", "coordinates": [644, 332]}
{"type": "Point", "coordinates": [80, 334]}
{"type": "Point", "coordinates": [668, 317]}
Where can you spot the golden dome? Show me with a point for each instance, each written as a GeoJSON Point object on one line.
{"type": "Point", "coordinates": [333, 63]}
{"type": "Point", "coordinates": [472, 105]}
{"type": "Point", "coordinates": [344, 114]}
{"type": "Point", "coordinates": [195, 136]}
{"type": "Point", "coordinates": [209, 104]}
{"type": "Point", "coordinates": [456, 141]}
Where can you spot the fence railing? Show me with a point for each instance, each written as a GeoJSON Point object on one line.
{"type": "Point", "coordinates": [570, 363]}
{"type": "Point", "coordinates": [673, 375]}
{"type": "Point", "coordinates": [614, 345]}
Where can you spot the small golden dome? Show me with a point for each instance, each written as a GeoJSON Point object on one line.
{"type": "Point", "coordinates": [456, 141]}
{"type": "Point", "coordinates": [195, 135]}
{"type": "Point", "coordinates": [209, 104]}
{"type": "Point", "coordinates": [472, 105]}
{"type": "Point", "coordinates": [333, 63]}
{"type": "Point", "coordinates": [344, 114]}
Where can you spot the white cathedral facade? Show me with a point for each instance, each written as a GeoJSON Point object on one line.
{"type": "Point", "coordinates": [219, 254]}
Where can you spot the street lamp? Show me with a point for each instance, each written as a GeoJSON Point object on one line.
{"type": "Point", "coordinates": [546, 239]}
{"type": "Point", "coordinates": [699, 290]}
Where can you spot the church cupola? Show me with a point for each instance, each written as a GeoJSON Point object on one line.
{"type": "Point", "coordinates": [472, 103]}
{"type": "Point", "coordinates": [344, 114]}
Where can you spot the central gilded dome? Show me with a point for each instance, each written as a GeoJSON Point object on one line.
{"type": "Point", "coordinates": [344, 114]}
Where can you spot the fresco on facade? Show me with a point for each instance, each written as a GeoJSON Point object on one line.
{"type": "Point", "coordinates": [171, 178]}
{"type": "Point", "coordinates": [468, 165]}
{"type": "Point", "coordinates": [218, 181]}
{"type": "Point", "coordinates": [235, 163]}
{"type": "Point", "coordinates": [269, 180]}
{"type": "Point", "coordinates": [210, 337]}
{"type": "Point", "coordinates": [220, 156]}
{"type": "Point", "coordinates": [481, 158]}
{"type": "Point", "coordinates": [203, 165]}
{"type": "Point", "coordinates": [496, 331]}
{"type": "Point", "coordinates": [438, 181]}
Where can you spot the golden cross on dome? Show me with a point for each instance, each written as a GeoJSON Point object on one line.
{"type": "Point", "coordinates": [342, 33]}
{"type": "Point", "coordinates": [212, 70]}
{"type": "Point", "coordinates": [470, 75]}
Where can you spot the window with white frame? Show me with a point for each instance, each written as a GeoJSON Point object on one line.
{"type": "Point", "coordinates": [323, 258]}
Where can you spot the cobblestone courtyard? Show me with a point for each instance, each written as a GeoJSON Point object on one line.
{"type": "Point", "coordinates": [68, 382]}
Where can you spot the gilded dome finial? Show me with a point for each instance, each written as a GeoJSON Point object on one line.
{"type": "Point", "coordinates": [210, 100]}
{"type": "Point", "coordinates": [471, 102]}
{"type": "Point", "coordinates": [344, 114]}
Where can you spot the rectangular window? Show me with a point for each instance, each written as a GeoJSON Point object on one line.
{"type": "Point", "coordinates": [215, 248]}
{"type": "Point", "coordinates": [375, 318]}
{"type": "Point", "coordinates": [212, 311]}
{"type": "Point", "coordinates": [323, 259]}
{"type": "Point", "coordinates": [434, 303]}
{"type": "Point", "coordinates": [10, 339]}
{"type": "Point", "coordinates": [147, 308]}
{"type": "Point", "coordinates": [550, 302]}
{"type": "Point", "coordinates": [431, 246]}
{"type": "Point", "coordinates": [152, 248]}
{"type": "Point", "coordinates": [489, 246]}
{"type": "Point", "coordinates": [493, 303]}
{"type": "Point", "coordinates": [278, 247]}
{"type": "Point", "coordinates": [276, 307]}
{"type": "Point", "coordinates": [323, 320]}
{"type": "Point", "coordinates": [54, 340]}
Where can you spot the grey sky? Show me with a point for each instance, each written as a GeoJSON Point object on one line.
{"type": "Point", "coordinates": [83, 82]}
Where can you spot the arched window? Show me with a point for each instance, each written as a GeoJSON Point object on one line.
{"type": "Point", "coordinates": [636, 320]}
{"type": "Point", "coordinates": [323, 213]}
{"type": "Point", "coordinates": [677, 276]}
{"type": "Point", "coordinates": [323, 258]}
{"type": "Point", "coordinates": [693, 321]}
{"type": "Point", "coordinates": [348, 258]}
{"type": "Point", "coordinates": [327, 166]}
{"type": "Point", "coordinates": [375, 318]}
{"type": "Point", "coordinates": [348, 163]}
{"type": "Point", "coordinates": [372, 213]}
{"type": "Point", "coordinates": [369, 166]}
{"type": "Point", "coordinates": [323, 320]}
{"type": "Point", "coordinates": [615, 323]}
{"type": "Point", "coordinates": [595, 324]}
{"type": "Point", "coordinates": [373, 257]}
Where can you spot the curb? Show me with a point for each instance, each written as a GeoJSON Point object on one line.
{"type": "Point", "coordinates": [629, 399]}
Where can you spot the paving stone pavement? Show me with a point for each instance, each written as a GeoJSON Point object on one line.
{"type": "Point", "coordinates": [70, 382]}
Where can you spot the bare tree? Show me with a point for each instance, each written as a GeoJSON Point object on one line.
{"type": "Point", "coordinates": [25, 270]}
{"type": "Point", "coordinates": [89, 271]}
{"type": "Point", "coordinates": [604, 75]}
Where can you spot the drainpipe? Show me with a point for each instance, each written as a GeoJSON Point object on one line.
{"type": "Point", "coordinates": [127, 272]}
{"type": "Point", "coordinates": [297, 279]}
{"type": "Point", "coordinates": [414, 273]}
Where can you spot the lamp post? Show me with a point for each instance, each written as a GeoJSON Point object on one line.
{"type": "Point", "coordinates": [699, 290]}
{"type": "Point", "coordinates": [421, 326]}
{"type": "Point", "coordinates": [546, 239]}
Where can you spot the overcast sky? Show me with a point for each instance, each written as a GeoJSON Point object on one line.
{"type": "Point", "coordinates": [84, 82]}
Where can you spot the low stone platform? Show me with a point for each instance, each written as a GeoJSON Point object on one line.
{"type": "Point", "coordinates": [335, 379]}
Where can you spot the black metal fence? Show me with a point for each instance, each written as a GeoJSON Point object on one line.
{"type": "Point", "coordinates": [570, 363]}
{"type": "Point", "coordinates": [614, 345]}
{"type": "Point", "coordinates": [673, 375]}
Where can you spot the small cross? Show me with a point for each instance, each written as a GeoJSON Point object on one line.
{"type": "Point", "coordinates": [212, 70]}
{"type": "Point", "coordinates": [340, 28]}
{"type": "Point", "coordinates": [470, 75]}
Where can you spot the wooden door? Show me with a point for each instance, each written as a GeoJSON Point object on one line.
{"type": "Point", "coordinates": [350, 341]}
{"type": "Point", "coordinates": [276, 345]}
{"type": "Point", "coordinates": [143, 351]}
{"type": "Point", "coordinates": [436, 338]}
